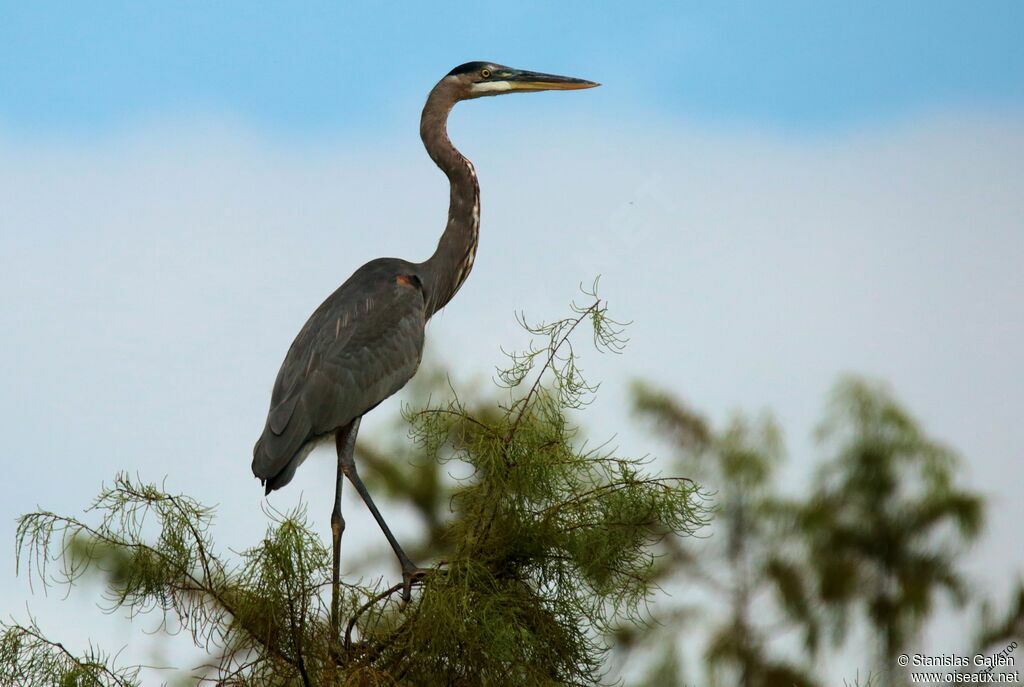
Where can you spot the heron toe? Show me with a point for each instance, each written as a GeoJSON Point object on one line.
{"type": "Point", "coordinates": [410, 575]}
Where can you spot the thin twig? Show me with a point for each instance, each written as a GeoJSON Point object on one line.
{"type": "Point", "coordinates": [365, 607]}
{"type": "Point", "coordinates": [552, 353]}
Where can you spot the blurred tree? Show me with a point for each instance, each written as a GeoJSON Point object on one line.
{"type": "Point", "coordinates": [887, 522]}
{"type": "Point", "coordinates": [549, 545]}
{"type": "Point", "coordinates": [749, 566]}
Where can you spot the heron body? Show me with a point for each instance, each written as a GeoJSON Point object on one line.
{"type": "Point", "coordinates": [365, 341]}
{"type": "Point", "coordinates": [359, 347]}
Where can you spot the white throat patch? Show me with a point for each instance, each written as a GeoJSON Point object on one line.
{"type": "Point", "coordinates": [491, 86]}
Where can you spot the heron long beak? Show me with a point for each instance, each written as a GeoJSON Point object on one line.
{"type": "Point", "coordinates": [519, 80]}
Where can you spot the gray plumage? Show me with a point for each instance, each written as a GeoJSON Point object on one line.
{"type": "Point", "coordinates": [365, 341]}
{"type": "Point", "coordinates": [358, 348]}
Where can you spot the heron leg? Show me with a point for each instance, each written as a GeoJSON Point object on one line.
{"type": "Point", "coordinates": [345, 440]}
{"type": "Point", "coordinates": [347, 463]}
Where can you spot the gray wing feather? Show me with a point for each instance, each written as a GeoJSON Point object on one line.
{"type": "Point", "coordinates": [360, 347]}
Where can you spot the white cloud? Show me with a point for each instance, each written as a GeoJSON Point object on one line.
{"type": "Point", "coordinates": [153, 282]}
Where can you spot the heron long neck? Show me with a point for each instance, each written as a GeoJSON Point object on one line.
{"type": "Point", "coordinates": [448, 267]}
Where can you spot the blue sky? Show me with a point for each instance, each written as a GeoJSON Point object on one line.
{"type": "Point", "coordinates": [336, 67]}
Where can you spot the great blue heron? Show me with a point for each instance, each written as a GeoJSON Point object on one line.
{"type": "Point", "coordinates": [365, 341]}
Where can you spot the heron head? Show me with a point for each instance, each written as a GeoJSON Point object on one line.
{"type": "Point", "coordinates": [477, 79]}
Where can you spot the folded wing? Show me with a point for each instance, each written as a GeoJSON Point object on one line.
{"type": "Point", "coordinates": [360, 346]}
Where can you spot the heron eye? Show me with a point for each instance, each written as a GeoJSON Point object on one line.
{"type": "Point", "coordinates": [485, 73]}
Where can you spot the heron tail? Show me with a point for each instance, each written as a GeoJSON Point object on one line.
{"type": "Point", "coordinates": [276, 456]}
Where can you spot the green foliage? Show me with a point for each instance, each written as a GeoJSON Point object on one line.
{"type": "Point", "coordinates": [260, 616]}
{"type": "Point", "coordinates": [28, 659]}
{"type": "Point", "coordinates": [887, 522]}
{"type": "Point", "coordinates": [550, 545]}
{"type": "Point", "coordinates": [550, 542]}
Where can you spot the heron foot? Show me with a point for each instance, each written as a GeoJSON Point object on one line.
{"type": "Point", "coordinates": [411, 574]}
